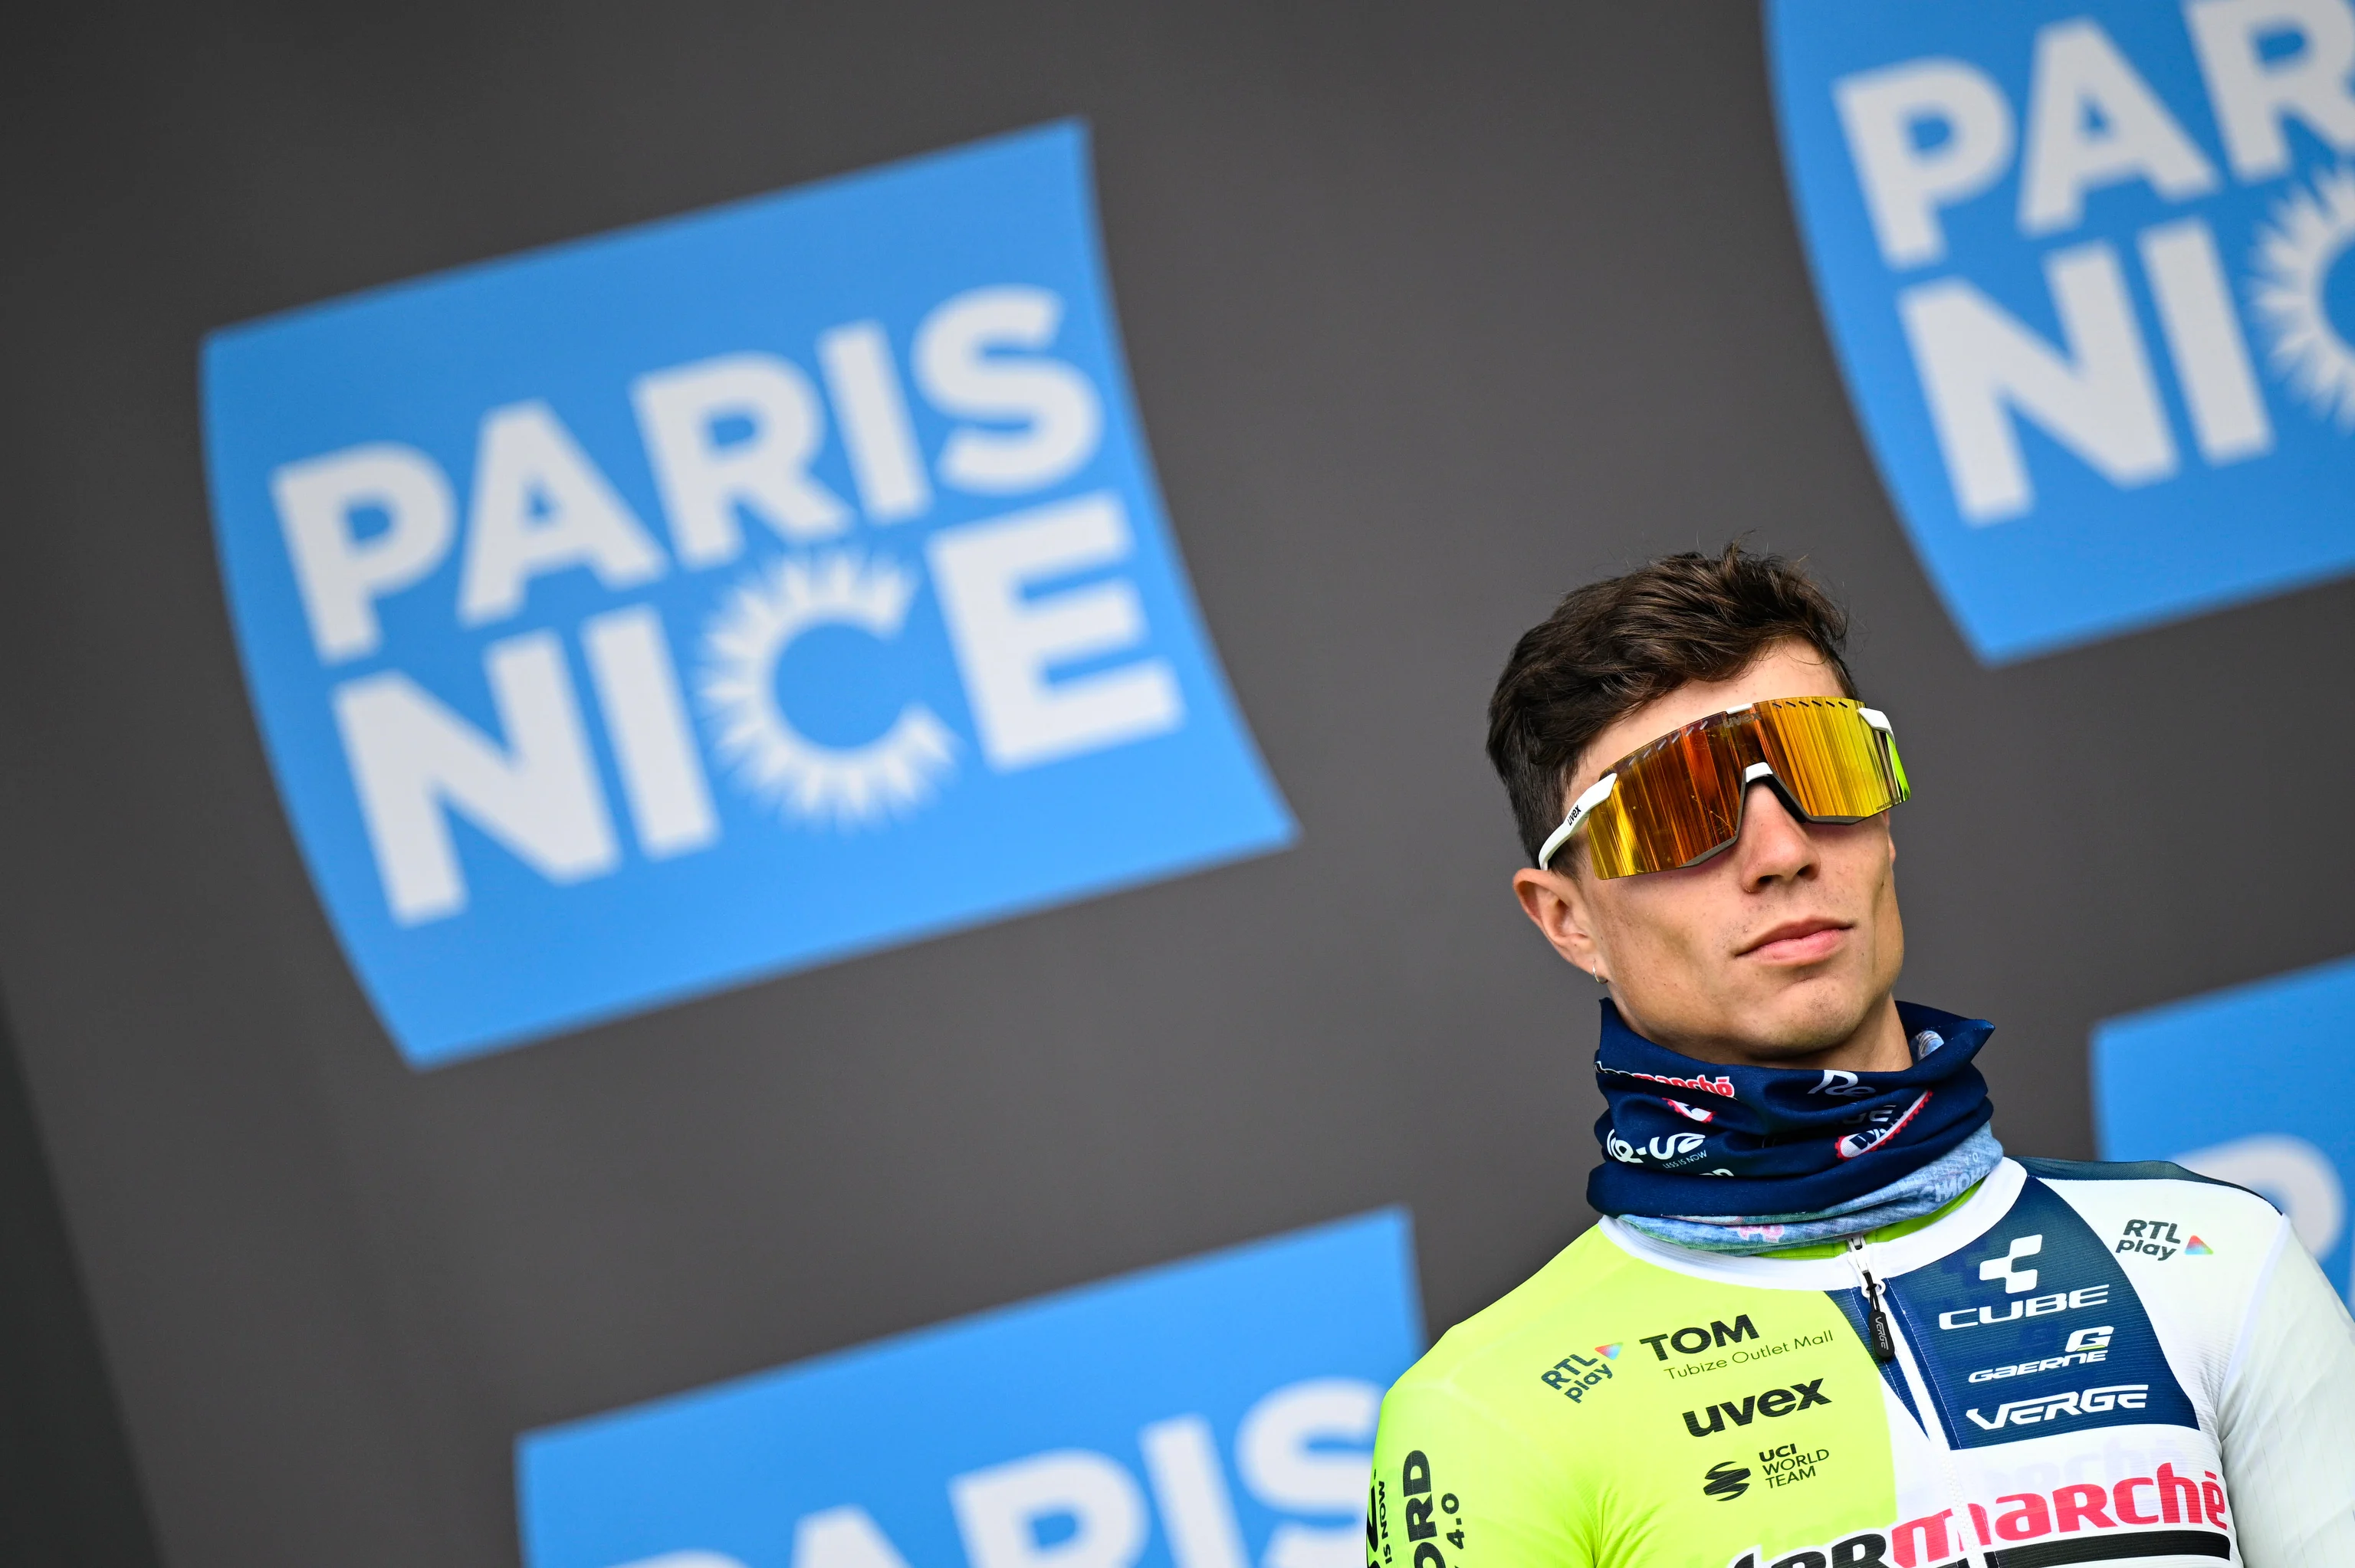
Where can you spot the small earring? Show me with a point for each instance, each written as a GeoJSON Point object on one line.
{"type": "Point", "coordinates": [1597, 972]}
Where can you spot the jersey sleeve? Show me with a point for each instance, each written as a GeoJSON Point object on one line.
{"type": "Point", "coordinates": [2288, 1420]}
{"type": "Point", "coordinates": [1452, 1488]}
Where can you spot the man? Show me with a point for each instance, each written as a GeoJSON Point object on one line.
{"type": "Point", "coordinates": [1823, 1322]}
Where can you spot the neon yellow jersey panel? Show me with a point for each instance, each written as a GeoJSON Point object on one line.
{"type": "Point", "coordinates": [1568, 1425]}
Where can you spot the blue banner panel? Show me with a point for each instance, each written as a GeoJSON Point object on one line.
{"type": "Point", "coordinates": [1216, 1413]}
{"type": "Point", "coordinates": [2250, 1086]}
{"type": "Point", "coordinates": [642, 616]}
{"type": "Point", "coordinates": [2080, 264]}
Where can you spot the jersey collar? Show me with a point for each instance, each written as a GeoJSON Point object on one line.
{"type": "Point", "coordinates": [1973, 1219]}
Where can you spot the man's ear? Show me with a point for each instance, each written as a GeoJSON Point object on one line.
{"type": "Point", "coordinates": [1557, 904]}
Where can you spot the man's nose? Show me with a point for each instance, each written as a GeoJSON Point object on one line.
{"type": "Point", "coordinates": [1773, 844]}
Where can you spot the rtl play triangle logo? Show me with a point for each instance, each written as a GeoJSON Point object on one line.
{"type": "Point", "coordinates": [1608, 1352]}
{"type": "Point", "coordinates": [2195, 1247]}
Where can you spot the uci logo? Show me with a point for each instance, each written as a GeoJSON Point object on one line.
{"type": "Point", "coordinates": [2080, 264]}
{"type": "Point", "coordinates": [1725, 1481]}
{"type": "Point", "coordinates": [626, 619]}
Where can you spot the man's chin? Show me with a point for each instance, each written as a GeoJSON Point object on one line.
{"type": "Point", "coordinates": [1804, 1026]}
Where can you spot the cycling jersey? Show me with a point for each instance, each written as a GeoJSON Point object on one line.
{"type": "Point", "coordinates": [2076, 1363]}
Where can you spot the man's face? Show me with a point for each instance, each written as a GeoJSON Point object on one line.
{"type": "Point", "coordinates": [1782, 948]}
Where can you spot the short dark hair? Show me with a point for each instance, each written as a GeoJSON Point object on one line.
{"type": "Point", "coordinates": [1612, 646]}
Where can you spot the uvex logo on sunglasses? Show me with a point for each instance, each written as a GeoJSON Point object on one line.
{"type": "Point", "coordinates": [1774, 1404]}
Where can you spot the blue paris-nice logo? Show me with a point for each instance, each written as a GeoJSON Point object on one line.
{"type": "Point", "coordinates": [2085, 268]}
{"type": "Point", "coordinates": [676, 607]}
{"type": "Point", "coordinates": [1214, 1413]}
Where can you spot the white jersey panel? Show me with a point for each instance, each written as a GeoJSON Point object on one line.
{"type": "Point", "coordinates": [2288, 1416]}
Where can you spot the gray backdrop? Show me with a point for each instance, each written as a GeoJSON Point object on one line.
{"type": "Point", "coordinates": [1434, 312]}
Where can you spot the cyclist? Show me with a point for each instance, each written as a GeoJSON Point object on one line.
{"type": "Point", "coordinates": [1825, 1322]}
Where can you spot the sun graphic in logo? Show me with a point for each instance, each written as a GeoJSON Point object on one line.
{"type": "Point", "coordinates": [2308, 230]}
{"type": "Point", "coordinates": [806, 782]}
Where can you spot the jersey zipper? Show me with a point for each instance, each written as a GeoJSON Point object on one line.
{"type": "Point", "coordinates": [1878, 1332]}
{"type": "Point", "coordinates": [1888, 1344]}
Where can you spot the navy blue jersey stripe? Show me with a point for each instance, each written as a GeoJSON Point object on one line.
{"type": "Point", "coordinates": [2126, 1170]}
{"type": "Point", "coordinates": [2034, 1329]}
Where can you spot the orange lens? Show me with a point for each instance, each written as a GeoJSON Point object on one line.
{"type": "Point", "coordinates": [1678, 801]}
{"type": "Point", "coordinates": [1835, 765]}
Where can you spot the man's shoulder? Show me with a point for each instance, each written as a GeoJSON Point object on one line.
{"type": "Point", "coordinates": [2105, 1184]}
{"type": "Point", "coordinates": [2150, 1212]}
{"type": "Point", "coordinates": [2051, 1170]}
{"type": "Point", "coordinates": [1526, 1330]}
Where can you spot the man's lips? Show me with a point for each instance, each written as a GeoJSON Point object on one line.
{"type": "Point", "coordinates": [1798, 941]}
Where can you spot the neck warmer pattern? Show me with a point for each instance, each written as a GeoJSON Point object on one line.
{"type": "Point", "coordinates": [1924, 1191]}
{"type": "Point", "coordinates": [1700, 1153]}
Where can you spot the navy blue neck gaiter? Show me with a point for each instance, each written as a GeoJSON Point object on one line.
{"type": "Point", "coordinates": [1686, 1137]}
